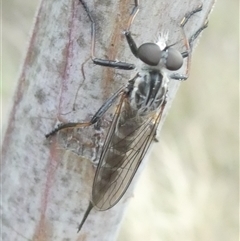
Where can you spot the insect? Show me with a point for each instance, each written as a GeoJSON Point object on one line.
{"type": "Point", "coordinates": [139, 110]}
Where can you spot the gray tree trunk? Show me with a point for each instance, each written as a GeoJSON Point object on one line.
{"type": "Point", "coordinates": [46, 184]}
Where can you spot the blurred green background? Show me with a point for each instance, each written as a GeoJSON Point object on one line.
{"type": "Point", "coordinates": [189, 189]}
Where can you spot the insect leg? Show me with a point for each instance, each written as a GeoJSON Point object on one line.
{"type": "Point", "coordinates": [133, 14]}
{"type": "Point", "coordinates": [185, 54]}
{"type": "Point", "coordinates": [128, 34]}
{"type": "Point", "coordinates": [188, 15]}
{"type": "Point", "coordinates": [98, 61]}
{"type": "Point", "coordinates": [131, 43]}
{"type": "Point", "coordinates": [102, 110]}
{"type": "Point", "coordinates": [188, 42]}
{"type": "Point", "coordinates": [196, 34]}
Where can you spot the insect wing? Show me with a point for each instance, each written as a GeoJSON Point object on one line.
{"type": "Point", "coordinates": [115, 172]}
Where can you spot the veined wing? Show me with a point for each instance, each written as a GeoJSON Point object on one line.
{"type": "Point", "coordinates": [121, 156]}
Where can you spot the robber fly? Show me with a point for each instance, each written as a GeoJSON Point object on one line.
{"type": "Point", "coordinates": [139, 110]}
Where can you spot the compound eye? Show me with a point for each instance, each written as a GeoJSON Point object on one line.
{"type": "Point", "coordinates": [149, 53]}
{"type": "Point", "coordinates": [174, 59]}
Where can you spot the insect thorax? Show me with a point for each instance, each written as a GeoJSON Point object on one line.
{"type": "Point", "coordinates": [149, 91]}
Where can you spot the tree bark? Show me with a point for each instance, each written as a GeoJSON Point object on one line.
{"type": "Point", "coordinates": [46, 184]}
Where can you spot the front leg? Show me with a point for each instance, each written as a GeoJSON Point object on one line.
{"type": "Point", "coordinates": [98, 61]}
{"type": "Point", "coordinates": [188, 42]}
{"type": "Point", "coordinates": [128, 34]}
{"type": "Point", "coordinates": [131, 43]}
